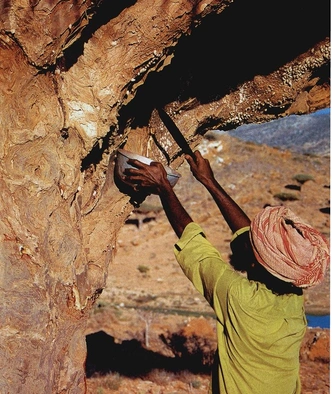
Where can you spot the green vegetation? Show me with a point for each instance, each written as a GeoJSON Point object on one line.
{"type": "Point", "coordinates": [196, 384]}
{"type": "Point", "coordinates": [286, 196]}
{"type": "Point", "coordinates": [302, 178]}
{"type": "Point", "coordinates": [143, 269]}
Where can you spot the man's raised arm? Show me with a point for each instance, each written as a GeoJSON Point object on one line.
{"type": "Point", "coordinates": [232, 213]}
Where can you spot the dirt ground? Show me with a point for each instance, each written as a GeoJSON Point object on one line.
{"type": "Point", "coordinates": [146, 290]}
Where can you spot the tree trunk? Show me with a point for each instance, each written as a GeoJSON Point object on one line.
{"type": "Point", "coordinates": [79, 79]}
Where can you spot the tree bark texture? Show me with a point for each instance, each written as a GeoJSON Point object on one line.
{"type": "Point", "coordinates": [80, 79]}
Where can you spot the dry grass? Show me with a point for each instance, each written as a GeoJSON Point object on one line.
{"type": "Point", "coordinates": [155, 382]}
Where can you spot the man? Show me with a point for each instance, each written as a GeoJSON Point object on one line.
{"type": "Point", "coordinates": [260, 318]}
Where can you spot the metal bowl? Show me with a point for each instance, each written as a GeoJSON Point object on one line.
{"type": "Point", "coordinates": [122, 164]}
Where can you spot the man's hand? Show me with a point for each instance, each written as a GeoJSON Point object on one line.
{"type": "Point", "coordinates": [152, 177]}
{"type": "Point", "coordinates": [200, 168]}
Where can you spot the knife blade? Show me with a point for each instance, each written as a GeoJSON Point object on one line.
{"type": "Point", "coordinates": [175, 132]}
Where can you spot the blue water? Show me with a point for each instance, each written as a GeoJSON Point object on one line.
{"type": "Point", "coordinates": [318, 321]}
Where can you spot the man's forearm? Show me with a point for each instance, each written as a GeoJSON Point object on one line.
{"type": "Point", "coordinates": [232, 213]}
{"type": "Point", "coordinates": [154, 178]}
{"type": "Point", "coordinates": [176, 214]}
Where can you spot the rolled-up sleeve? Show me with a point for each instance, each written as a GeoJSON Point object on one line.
{"type": "Point", "coordinates": [240, 232]}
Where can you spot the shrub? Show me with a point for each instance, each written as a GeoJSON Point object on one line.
{"type": "Point", "coordinates": [302, 178]}
{"type": "Point", "coordinates": [113, 381]}
{"type": "Point", "coordinates": [143, 269]}
{"type": "Point", "coordinates": [286, 196]}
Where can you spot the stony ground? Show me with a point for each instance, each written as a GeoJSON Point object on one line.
{"type": "Point", "coordinates": [147, 296]}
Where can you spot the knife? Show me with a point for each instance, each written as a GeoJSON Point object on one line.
{"type": "Point", "coordinates": [175, 132]}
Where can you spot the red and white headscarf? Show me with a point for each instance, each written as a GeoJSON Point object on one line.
{"type": "Point", "coordinates": [288, 248]}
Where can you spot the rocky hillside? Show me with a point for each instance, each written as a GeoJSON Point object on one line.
{"type": "Point", "coordinates": [305, 134]}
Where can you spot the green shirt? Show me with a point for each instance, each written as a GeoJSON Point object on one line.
{"type": "Point", "coordinates": [259, 333]}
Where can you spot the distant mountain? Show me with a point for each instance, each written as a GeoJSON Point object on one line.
{"type": "Point", "coordinates": [305, 134]}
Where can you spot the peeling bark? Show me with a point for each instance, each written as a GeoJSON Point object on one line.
{"type": "Point", "coordinates": [78, 80]}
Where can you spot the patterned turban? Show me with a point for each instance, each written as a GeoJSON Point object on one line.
{"type": "Point", "coordinates": [288, 248]}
